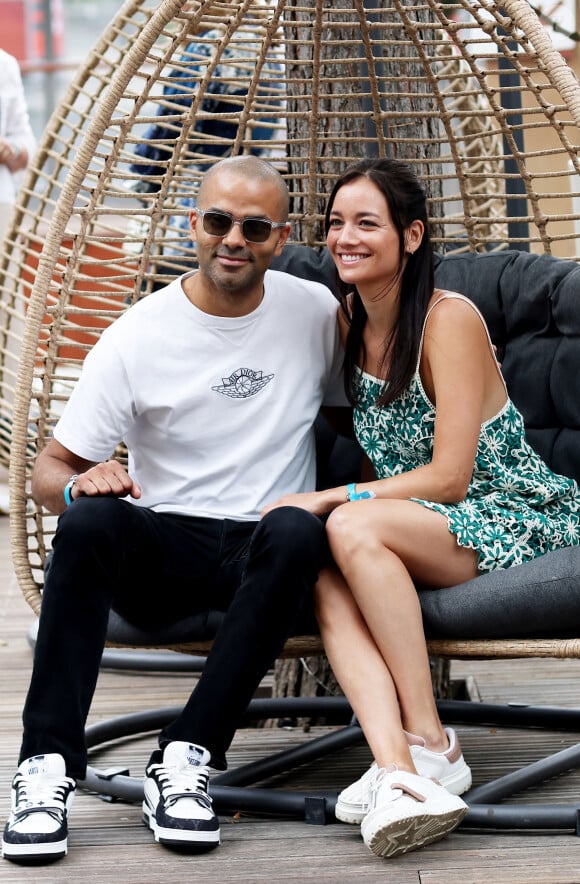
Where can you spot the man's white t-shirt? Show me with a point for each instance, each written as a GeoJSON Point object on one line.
{"type": "Point", "coordinates": [217, 412]}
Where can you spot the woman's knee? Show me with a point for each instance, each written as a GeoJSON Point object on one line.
{"type": "Point", "coordinates": [348, 529]}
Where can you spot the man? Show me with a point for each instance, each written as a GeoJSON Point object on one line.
{"type": "Point", "coordinates": [213, 383]}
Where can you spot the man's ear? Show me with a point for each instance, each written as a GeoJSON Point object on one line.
{"type": "Point", "coordinates": [193, 216]}
{"type": "Point", "coordinates": [283, 235]}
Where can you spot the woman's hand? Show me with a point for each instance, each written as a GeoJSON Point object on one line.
{"type": "Point", "coordinates": [316, 502]}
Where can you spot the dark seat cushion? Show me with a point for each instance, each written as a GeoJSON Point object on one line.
{"type": "Point", "coordinates": [540, 599]}
{"type": "Point", "coordinates": [199, 627]}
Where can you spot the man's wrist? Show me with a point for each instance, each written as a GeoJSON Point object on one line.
{"type": "Point", "coordinates": [67, 493]}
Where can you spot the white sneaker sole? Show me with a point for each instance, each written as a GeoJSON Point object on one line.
{"type": "Point", "coordinates": [35, 852]}
{"type": "Point", "coordinates": [179, 837]}
{"type": "Point", "coordinates": [395, 837]}
{"type": "Point", "coordinates": [349, 814]}
{"type": "Point", "coordinates": [459, 782]}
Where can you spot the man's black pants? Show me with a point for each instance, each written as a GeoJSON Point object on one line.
{"type": "Point", "coordinates": [156, 568]}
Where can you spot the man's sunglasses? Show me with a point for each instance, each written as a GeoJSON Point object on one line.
{"type": "Point", "coordinates": [253, 229]}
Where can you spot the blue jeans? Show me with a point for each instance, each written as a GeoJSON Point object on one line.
{"type": "Point", "coordinates": [156, 568]}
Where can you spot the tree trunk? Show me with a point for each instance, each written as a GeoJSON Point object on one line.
{"type": "Point", "coordinates": [324, 92]}
{"type": "Point", "coordinates": [337, 109]}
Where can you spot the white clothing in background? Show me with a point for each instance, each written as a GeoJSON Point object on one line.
{"type": "Point", "coordinates": [15, 127]}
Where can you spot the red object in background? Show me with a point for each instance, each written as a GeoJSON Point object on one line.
{"type": "Point", "coordinates": [27, 26]}
{"type": "Point", "coordinates": [13, 33]}
{"type": "Point", "coordinates": [94, 279]}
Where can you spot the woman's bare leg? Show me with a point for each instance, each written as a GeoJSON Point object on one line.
{"type": "Point", "coordinates": [361, 671]}
{"type": "Point", "coordinates": [379, 547]}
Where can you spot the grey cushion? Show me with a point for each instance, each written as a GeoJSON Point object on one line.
{"type": "Point", "coordinates": [540, 599]}
{"type": "Point", "coordinates": [199, 627]}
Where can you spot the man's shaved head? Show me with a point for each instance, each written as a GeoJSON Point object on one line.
{"type": "Point", "coordinates": [250, 167]}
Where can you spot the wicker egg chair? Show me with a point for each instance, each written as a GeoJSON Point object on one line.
{"type": "Point", "coordinates": [474, 94]}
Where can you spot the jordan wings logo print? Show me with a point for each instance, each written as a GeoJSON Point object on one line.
{"type": "Point", "coordinates": [243, 383]}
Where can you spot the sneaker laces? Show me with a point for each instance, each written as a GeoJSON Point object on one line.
{"type": "Point", "coordinates": [402, 787]}
{"type": "Point", "coordinates": [176, 784]}
{"type": "Point", "coordinates": [366, 783]}
{"type": "Point", "coordinates": [374, 785]}
{"type": "Point", "coordinates": [41, 794]}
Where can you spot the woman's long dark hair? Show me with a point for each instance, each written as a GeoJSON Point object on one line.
{"type": "Point", "coordinates": [407, 202]}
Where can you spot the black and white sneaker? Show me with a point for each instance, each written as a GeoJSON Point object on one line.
{"type": "Point", "coordinates": [42, 794]}
{"type": "Point", "coordinates": [176, 806]}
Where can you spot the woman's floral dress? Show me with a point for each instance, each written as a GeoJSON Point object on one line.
{"type": "Point", "coordinates": [516, 508]}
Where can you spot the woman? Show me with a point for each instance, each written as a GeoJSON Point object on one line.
{"type": "Point", "coordinates": [458, 491]}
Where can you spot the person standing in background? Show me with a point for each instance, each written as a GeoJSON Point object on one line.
{"type": "Point", "coordinates": [17, 142]}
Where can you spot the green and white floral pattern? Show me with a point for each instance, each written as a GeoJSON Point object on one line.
{"type": "Point", "coordinates": [516, 508]}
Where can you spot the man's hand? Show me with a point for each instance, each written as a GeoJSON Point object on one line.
{"type": "Point", "coordinates": [107, 479]}
{"type": "Point", "coordinates": [54, 467]}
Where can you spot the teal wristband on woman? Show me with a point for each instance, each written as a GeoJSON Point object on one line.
{"type": "Point", "coordinates": [352, 494]}
{"type": "Point", "coordinates": [68, 490]}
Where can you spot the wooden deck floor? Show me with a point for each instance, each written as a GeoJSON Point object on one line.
{"type": "Point", "coordinates": [110, 845]}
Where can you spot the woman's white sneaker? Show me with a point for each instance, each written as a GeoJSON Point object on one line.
{"type": "Point", "coordinates": [42, 794]}
{"type": "Point", "coordinates": [448, 768]}
{"type": "Point", "coordinates": [408, 811]}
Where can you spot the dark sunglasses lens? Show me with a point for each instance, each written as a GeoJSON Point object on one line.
{"type": "Point", "coordinates": [217, 223]}
{"type": "Point", "coordinates": [256, 230]}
